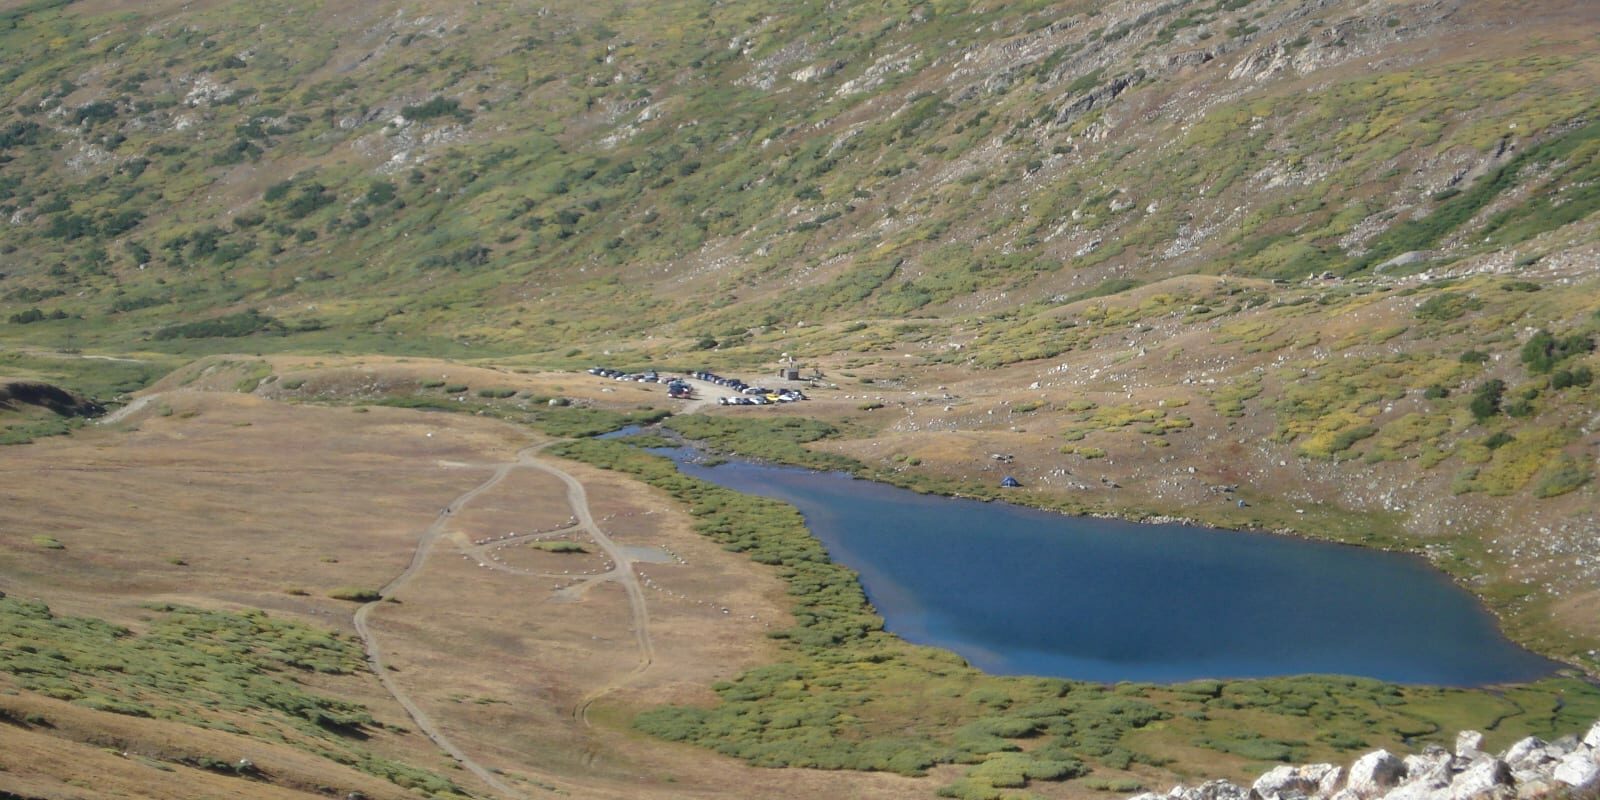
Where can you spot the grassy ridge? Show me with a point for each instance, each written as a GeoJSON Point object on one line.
{"type": "Point", "coordinates": [189, 664]}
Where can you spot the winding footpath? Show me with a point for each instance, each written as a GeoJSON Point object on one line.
{"type": "Point", "coordinates": [369, 641]}
{"type": "Point", "coordinates": [622, 572]}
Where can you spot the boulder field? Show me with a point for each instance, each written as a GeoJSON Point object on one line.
{"type": "Point", "coordinates": [1529, 768]}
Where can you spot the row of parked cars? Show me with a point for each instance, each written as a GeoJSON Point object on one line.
{"type": "Point", "coordinates": [753, 395]}
{"type": "Point", "coordinates": [748, 395]}
{"type": "Point", "coordinates": [619, 375]}
{"type": "Point", "coordinates": [780, 396]}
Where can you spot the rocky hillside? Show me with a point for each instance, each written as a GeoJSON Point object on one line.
{"type": "Point", "coordinates": [512, 180]}
{"type": "Point", "coordinates": [1530, 768]}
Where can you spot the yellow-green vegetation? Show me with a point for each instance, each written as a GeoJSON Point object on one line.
{"type": "Point", "coordinates": [1229, 399]}
{"type": "Point", "coordinates": [1151, 420]}
{"type": "Point", "coordinates": [849, 696]}
{"type": "Point", "coordinates": [779, 440]}
{"type": "Point", "coordinates": [558, 419]}
{"type": "Point", "coordinates": [560, 139]}
{"type": "Point", "coordinates": [185, 664]}
{"type": "Point", "coordinates": [1382, 269]}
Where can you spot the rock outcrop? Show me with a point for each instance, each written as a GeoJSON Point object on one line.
{"type": "Point", "coordinates": [1530, 768]}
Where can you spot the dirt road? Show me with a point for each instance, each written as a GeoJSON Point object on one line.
{"type": "Point", "coordinates": [622, 572]}
{"type": "Point", "coordinates": [369, 640]}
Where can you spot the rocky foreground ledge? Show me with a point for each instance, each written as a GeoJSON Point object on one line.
{"type": "Point", "coordinates": [1530, 768]}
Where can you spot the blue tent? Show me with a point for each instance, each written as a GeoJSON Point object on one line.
{"type": "Point", "coordinates": [1010, 482]}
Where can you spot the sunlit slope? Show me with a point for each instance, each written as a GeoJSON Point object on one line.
{"type": "Point", "coordinates": [489, 176]}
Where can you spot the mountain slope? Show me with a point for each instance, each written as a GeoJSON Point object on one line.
{"type": "Point", "coordinates": [473, 171]}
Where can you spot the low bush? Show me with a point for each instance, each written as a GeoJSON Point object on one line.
{"type": "Point", "coordinates": [559, 547]}
{"type": "Point", "coordinates": [1486, 399]}
{"type": "Point", "coordinates": [1543, 351]}
{"type": "Point", "coordinates": [230, 326]}
{"type": "Point", "coordinates": [356, 594]}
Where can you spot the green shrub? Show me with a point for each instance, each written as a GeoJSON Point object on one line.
{"type": "Point", "coordinates": [1447, 306]}
{"type": "Point", "coordinates": [1543, 351]}
{"type": "Point", "coordinates": [1486, 399]}
{"type": "Point", "coordinates": [455, 388]}
{"type": "Point", "coordinates": [1567, 378]}
{"type": "Point", "coordinates": [1561, 476]}
{"type": "Point", "coordinates": [356, 594]}
{"type": "Point", "coordinates": [559, 547]}
{"type": "Point", "coordinates": [230, 326]}
{"type": "Point", "coordinates": [48, 542]}
{"type": "Point", "coordinates": [499, 394]}
{"type": "Point", "coordinates": [434, 108]}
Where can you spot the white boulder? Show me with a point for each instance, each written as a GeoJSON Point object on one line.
{"type": "Point", "coordinates": [1375, 773]}
{"type": "Point", "coordinates": [1310, 780]}
{"type": "Point", "coordinates": [1578, 769]}
{"type": "Point", "coordinates": [1527, 753]}
{"type": "Point", "coordinates": [1487, 778]}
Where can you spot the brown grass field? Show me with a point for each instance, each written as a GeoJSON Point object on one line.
{"type": "Point", "coordinates": [272, 506]}
{"type": "Point", "coordinates": [527, 659]}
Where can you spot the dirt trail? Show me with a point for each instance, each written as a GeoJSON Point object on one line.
{"type": "Point", "coordinates": [127, 410]}
{"type": "Point", "coordinates": [369, 640]}
{"type": "Point", "coordinates": [622, 572]}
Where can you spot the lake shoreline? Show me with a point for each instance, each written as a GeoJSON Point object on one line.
{"type": "Point", "coordinates": [1505, 623]}
{"type": "Point", "coordinates": [906, 618]}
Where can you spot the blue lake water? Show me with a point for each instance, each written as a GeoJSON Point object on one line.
{"type": "Point", "coordinates": [1020, 591]}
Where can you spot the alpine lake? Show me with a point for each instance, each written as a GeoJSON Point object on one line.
{"type": "Point", "coordinates": [1017, 591]}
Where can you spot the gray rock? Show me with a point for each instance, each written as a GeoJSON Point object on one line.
{"type": "Point", "coordinates": [1487, 778]}
{"type": "Point", "coordinates": [1223, 790]}
{"type": "Point", "coordinates": [1374, 773]}
{"type": "Point", "coordinates": [1530, 769]}
{"type": "Point", "coordinates": [1527, 754]}
{"type": "Point", "coordinates": [1578, 770]}
{"type": "Point", "coordinates": [1212, 790]}
{"type": "Point", "coordinates": [1328, 777]}
{"type": "Point", "coordinates": [1431, 766]}
{"type": "Point", "coordinates": [1538, 785]}
{"type": "Point", "coordinates": [1310, 780]}
{"type": "Point", "coordinates": [1420, 790]}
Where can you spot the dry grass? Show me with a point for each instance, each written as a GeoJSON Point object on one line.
{"type": "Point", "coordinates": [258, 497]}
